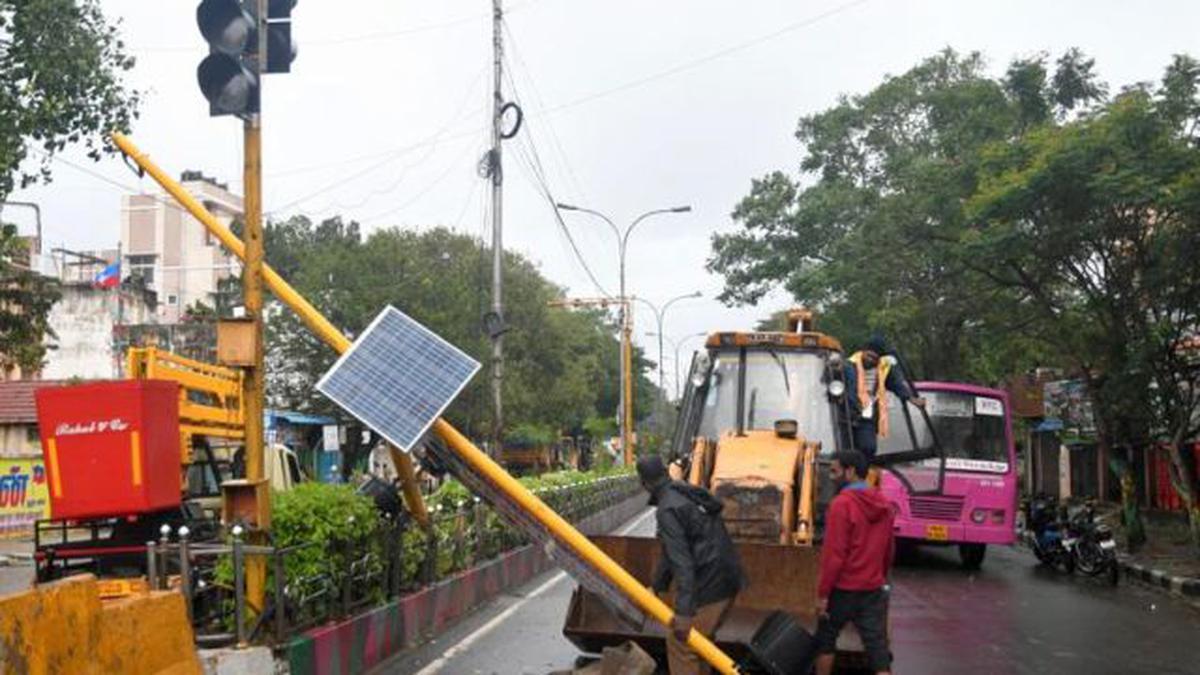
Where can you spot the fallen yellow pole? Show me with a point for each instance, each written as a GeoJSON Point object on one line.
{"type": "Point", "coordinates": [476, 458]}
{"type": "Point", "coordinates": [317, 323]}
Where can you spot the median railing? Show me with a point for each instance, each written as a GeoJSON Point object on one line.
{"type": "Point", "coordinates": [403, 559]}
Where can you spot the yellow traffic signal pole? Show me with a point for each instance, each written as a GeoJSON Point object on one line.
{"type": "Point", "coordinates": [253, 388]}
{"type": "Point", "coordinates": [563, 532]}
{"type": "Point", "coordinates": [253, 384]}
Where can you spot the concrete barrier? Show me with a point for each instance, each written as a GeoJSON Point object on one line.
{"type": "Point", "coordinates": [62, 628]}
{"type": "Point", "coordinates": [362, 642]}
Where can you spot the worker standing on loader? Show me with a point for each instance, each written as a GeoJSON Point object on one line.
{"type": "Point", "coordinates": [855, 559]}
{"type": "Point", "coordinates": [698, 556]}
{"type": "Point", "coordinates": [870, 374]}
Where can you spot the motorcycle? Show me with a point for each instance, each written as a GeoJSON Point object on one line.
{"type": "Point", "coordinates": [1045, 535]}
{"type": "Point", "coordinates": [1094, 548]}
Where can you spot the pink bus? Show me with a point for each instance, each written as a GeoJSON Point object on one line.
{"type": "Point", "coordinates": [977, 501]}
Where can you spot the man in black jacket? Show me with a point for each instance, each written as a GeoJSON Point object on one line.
{"type": "Point", "coordinates": [698, 556]}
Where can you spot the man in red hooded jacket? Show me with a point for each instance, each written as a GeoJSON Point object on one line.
{"type": "Point", "coordinates": [855, 558]}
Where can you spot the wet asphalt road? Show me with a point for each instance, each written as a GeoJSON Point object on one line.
{"type": "Point", "coordinates": [1009, 617]}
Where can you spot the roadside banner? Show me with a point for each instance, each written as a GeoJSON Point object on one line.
{"type": "Point", "coordinates": [24, 497]}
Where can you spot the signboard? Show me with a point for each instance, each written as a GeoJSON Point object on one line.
{"type": "Point", "coordinates": [1068, 401]}
{"type": "Point", "coordinates": [24, 496]}
{"type": "Point", "coordinates": [329, 438]}
{"type": "Point", "coordinates": [991, 407]}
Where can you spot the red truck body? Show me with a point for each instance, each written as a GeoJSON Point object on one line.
{"type": "Point", "coordinates": [111, 448]}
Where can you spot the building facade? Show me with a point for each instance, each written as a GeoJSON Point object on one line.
{"type": "Point", "coordinates": [90, 324]}
{"type": "Point", "coordinates": [171, 252]}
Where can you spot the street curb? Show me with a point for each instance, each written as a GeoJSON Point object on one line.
{"type": "Point", "coordinates": [1186, 586]}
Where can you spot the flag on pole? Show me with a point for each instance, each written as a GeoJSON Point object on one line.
{"type": "Point", "coordinates": [109, 277]}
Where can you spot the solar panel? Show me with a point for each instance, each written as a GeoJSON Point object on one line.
{"type": "Point", "coordinates": [398, 377]}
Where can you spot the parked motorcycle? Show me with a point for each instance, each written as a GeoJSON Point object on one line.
{"type": "Point", "coordinates": [1045, 534]}
{"type": "Point", "coordinates": [1094, 548]}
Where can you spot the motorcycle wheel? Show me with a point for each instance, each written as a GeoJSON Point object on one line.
{"type": "Point", "coordinates": [1068, 562]}
{"type": "Point", "coordinates": [1088, 558]}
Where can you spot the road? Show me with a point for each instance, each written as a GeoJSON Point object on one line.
{"type": "Point", "coordinates": [1010, 617]}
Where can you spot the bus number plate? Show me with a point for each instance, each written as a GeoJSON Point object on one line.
{"type": "Point", "coordinates": [937, 533]}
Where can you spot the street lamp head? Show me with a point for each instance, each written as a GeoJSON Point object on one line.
{"type": "Point", "coordinates": [681, 209]}
{"type": "Point", "coordinates": [566, 207]}
{"type": "Point", "coordinates": [697, 294]}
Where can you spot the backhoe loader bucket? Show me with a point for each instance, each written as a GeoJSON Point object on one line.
{"type": "Point", "coordinates": [780, 578]}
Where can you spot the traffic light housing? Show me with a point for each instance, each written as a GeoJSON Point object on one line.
{"type": "Point", "coordinates": [229, 75]}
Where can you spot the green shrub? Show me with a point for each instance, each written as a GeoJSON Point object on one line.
{"type": "Point", "coordinates": [529, 436]}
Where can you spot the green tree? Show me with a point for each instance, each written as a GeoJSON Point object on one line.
{"type": "Point", "coordinates": [61, 66]}
{"type": "Point", "coordinates": [560, 366]}
{"type": "Point", "coordinates": [1096, 223]}
{"type": "Point", "coordinates": [868, 235]}
{"type": "Point", "coordinates": [25, 302]}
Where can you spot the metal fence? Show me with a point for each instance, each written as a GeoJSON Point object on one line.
{"type": "Point", "coordinates": [404, 558]}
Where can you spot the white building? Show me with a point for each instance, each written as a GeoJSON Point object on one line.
{"type": "Point", "coordinates": [172, 251]}
{"type": "Point", "coordinates": [85, 320]}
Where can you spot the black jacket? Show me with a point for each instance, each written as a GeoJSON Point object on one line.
{"type": "Point", "coordinates": [697, 551]}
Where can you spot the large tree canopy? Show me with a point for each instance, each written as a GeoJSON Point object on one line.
{"type": "Point", "coordinates": [989, 224]}
{"type": "Point", "coordinates": [560, 366]}
{"type": "Point", "coordinates": [61, 66]}
{"type": "Point", "coordinates": [865, 233]}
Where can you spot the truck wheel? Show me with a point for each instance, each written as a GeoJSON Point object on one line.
{"type": "Point", "coordinates": [971, 555]}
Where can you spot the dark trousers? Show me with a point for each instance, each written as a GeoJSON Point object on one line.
{"type": "Point", "coordinates": [867, 610]}
{"type": "Point", "coordinates": [866, 437]}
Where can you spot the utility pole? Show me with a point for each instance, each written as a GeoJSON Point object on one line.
{"type": "Point", "coordinates": [497, 175]}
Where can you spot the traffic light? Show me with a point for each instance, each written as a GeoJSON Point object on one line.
{"type": "Point", "coordinates": [228, 76]}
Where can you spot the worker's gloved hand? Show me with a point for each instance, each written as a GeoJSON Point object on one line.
{"type": "Point", "coordinates": [681, 626]}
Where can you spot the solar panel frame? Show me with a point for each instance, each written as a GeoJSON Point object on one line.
{"type": "Point", "coordinates": [398, 377]}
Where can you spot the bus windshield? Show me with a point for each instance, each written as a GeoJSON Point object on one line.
{"type": "Point", "coordinates": [780, 384]}
{"type": "Point", "coordinates": [970, 429]}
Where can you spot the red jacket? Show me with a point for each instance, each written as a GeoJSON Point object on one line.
{"type": "Point", "coordinates": [857, 552]}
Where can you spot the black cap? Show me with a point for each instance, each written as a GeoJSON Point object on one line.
{"type": "Point", "coordinates": [652, 471]}
{"type": "Point", "coordinates": [876, 344]}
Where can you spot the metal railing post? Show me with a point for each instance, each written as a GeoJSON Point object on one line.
{"type": "Point", "coordinates": [152, 565]}
{"type": "Point", "coordinates": [280, 610]}
{"type": "Point", "coordinates": [164, 547]}
{"type": "Point", "coordinates": [239, 587]}
{"type": "Point", "coordinates": [185, 570]}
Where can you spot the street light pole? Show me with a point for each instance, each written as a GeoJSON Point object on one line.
{"type": "Point", "coordinates": [660, 317]}
{"type": "Point", "coordinates": [626, 404]}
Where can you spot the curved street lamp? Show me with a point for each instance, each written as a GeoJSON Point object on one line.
{"type": "Point", "coordinates": [626, 358]}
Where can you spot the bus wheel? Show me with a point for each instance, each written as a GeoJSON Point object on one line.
{"type": "Point", "coordinates": [971, 555]}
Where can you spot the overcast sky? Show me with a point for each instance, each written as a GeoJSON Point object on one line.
{"type": "Point", "coordinates": [630, 105]}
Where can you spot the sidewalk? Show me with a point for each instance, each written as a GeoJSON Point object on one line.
{"type": "Point", "coordinates": [1167, 560]}
{"type": "Point", "coordinates": [16, 565]}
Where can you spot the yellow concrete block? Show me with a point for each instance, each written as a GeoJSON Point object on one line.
{"type": "Point", "coordinates": [51, 629]}
{"type": "Point", "coordinates": [62, 628]}
{"type": "Point", "coordinates": [147, 634]}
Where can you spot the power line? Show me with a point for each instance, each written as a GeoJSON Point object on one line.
{"type": "Point", "coordinates": [712, 56]}
{"type": "Point", "coordinates": [556, 143]}
{"type": "Point", "coordinates": [431, 142]}
{"type": "Point", "coordinates": [539, 179]}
